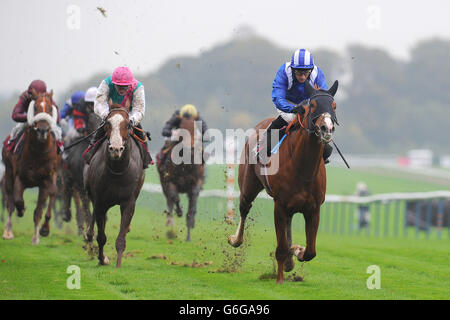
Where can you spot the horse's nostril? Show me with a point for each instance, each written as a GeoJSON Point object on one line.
{"type": "Point", "coordinates": [122, 148]}
{"type": "Point", "coordinates": [324, 128]}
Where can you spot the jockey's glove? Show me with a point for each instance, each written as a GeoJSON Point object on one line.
{"type": "Point", "coordinates": [299, 108]}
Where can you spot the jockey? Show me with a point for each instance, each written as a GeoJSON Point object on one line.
{"type": "Point", "coordinates": [20, 114]}
{"type": "Point", "coordinates": [119, 87]}
{"type": "Point", "coordinates": [79, 111]}
{"type": "Point", "coordinates": [67, 113]}
{"type": "Point", "coordinates": [289, 92]}
{"type": "Point", "coordinates": [186, 111]}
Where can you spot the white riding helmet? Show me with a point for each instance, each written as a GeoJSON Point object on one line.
{"type": "Point", "coordinates": [91, 93]}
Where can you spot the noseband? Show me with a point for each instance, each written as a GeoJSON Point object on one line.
{"type": "Point", "coordinates": [312, 118]}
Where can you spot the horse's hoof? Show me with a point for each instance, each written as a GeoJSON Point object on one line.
{"type": "Point", "coordinates": [8, 236]}
{"type": "Point", "coordinates": [289, 264]}
{"type": "Point", "coordinates": [298, 251]}
{"type": "Point", "coordinates": [44, 232]}
{"type": "Point", "coordinates": [232, 240]}
{"type": "Point", "coordinates": [105, 261]}
{"type": "Point", "coordinates": [67, 217]}
{"type": "Point", "coordinates": [20, 213]}
{"type": "Point", "coordinates": [35, 241]}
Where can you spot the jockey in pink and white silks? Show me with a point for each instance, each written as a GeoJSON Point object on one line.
{"type": "Point", "coordinates": [120, 87]}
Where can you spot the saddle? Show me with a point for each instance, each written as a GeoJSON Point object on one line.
{"type": "Point", "coordinates": [15, 146]}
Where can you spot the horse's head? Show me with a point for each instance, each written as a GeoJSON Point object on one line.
{"type": "Point", "coordinates": [188, 124]}
{"type": "Point", "coordinates": [322, 111]}
{"type": "Point", "coordinates": [42, 115]}
{"type": "Point", "coordinates": [93, 120]}
{"type": "Point", "coordinates": [117, 128]}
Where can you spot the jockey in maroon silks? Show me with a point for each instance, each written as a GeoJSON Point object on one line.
{"type": "Point", "coordinates": [20, 114]}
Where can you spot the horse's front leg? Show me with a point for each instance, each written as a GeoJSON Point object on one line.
{"type": "Point", "coordinates": [42, 198]}
{"type": "Point", "coordinates": [9, 191]}
{"type": "Point", "coordinates": [51, 191]}
{"type": "Point", "coordinates": [80, 212]}
{"type": "Point", "coordinates": [100, 217]}
{"type": "Point", "coordinates": [18, 196]}
{"type": "Point", "coordinates": [282, 251]}
{"type": "Point", "coordinates": [312, 219]}
{"type": "Point", "coordinates": [190, 216]}
{"type": "Point", "coordinates": [127, 212]}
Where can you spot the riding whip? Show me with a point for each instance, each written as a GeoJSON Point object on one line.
{"type": "Point", "coordinates": [340, 153]}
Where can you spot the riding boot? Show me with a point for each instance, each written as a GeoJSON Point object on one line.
{"type": "Point", "coordinates": [94, 144]}
{"type": "Point", "coordinates": [327, 153]}
{"type": "Point", "coordinates": [141, 134]}
{"type": "Point", "coordinates": [266, 140]}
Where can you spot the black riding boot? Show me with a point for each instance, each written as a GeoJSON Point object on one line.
{"type": "Point", "coordinates": [327, 153]}
{"type": "Point", "coordinates": [141, 134]}
{"type": "Point", "coordinates": [278, 123]}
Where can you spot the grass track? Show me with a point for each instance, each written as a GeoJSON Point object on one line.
{"type": "Point", "coordinates": [410, 268]}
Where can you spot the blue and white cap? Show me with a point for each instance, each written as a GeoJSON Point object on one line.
{"type": "Point", "coordinates": [302, 59]}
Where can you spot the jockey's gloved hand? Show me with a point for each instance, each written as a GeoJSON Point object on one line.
{"type": "Point", "coordinates": [299, 108]}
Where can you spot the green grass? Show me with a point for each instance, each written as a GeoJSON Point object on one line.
{"type": "Point", "coordinates": [156, 267]}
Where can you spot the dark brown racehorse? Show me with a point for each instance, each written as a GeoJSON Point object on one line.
{"type": "Point", "coordinates": [72, 175]}
{"type": "Point", "coordinates": [298, 184]}
{"type": "Point", "coordinates": [114, 177]}
{"type": "Point", "coordinates": [36, 166]}
{"type": "Point", "coordinates": [182, 171]}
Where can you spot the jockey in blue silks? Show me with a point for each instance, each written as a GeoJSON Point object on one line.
{"type": "Point", "coordinates": [289, 92]}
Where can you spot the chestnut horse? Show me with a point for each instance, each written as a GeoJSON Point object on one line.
{"type": "Point", "coordinates": [114, 176]}
{"type": "Point", "coordinates": [298, 185]}
{"type": "Point", "coordinates": [36, 166]}
{"type": "Point", "coordinates": [182, 171]}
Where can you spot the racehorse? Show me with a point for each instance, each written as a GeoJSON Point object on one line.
{"type": "Point", "coordinates": [72, 174]}
{"type": "Point", "coordinates": [185, 176]}
{"type": "Point", "coordinates": [114, 176]}
{"type": "Point", "coordinates": [35, 166]}
{"type": "Point", "coordinates": [299, 184]}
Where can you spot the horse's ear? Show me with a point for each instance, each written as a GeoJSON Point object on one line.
{"type": "Point", "coordinates": [309, 89]}
{"type": "Point", "coordinates": [110, 102]}
{"type": "Point", "coordinates": [127, 104]}
{"type": "Point", "coordinates": [51, 94]}
{"type": "Point", "coordinates": [333, 88]}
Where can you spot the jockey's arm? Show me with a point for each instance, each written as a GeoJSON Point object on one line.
{"type": "Point", "coordinates": [20, 110]}
{"type": "Point", "coordinates": [101, 107]}
{"type": "Point", "coordinates": [174, 121]}
{"type": "Point", "coordinates": [279, 89]}
{"type": "Point", "coordinates": [320, 80]}
{"type": "Point", "coordinates": [65, 110]}
{"type": "Point", "coordinates": [138, 108]}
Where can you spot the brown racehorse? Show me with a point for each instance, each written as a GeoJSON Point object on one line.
{"type": "Point", "coordinates": [299, 185]}
{"type": "Point", "coordinates": [114, 176]}
{"type": "Point", "coordinates": [36, 166]}
{"type": "Point", "coordinates": [182, 171]}
{"type": "Point", "coordinates": [72, 175]}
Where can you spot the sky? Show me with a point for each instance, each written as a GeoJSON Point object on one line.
{"type": "Point", "coordinates": [62, 42]}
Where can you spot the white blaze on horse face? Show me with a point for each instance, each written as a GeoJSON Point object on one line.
{"type": "Point", "coordinates": [116, 140]}
{"type": "Point", "coordinates": [328, 122]}
{"type": "Point", "coordinates": [327, 135]}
